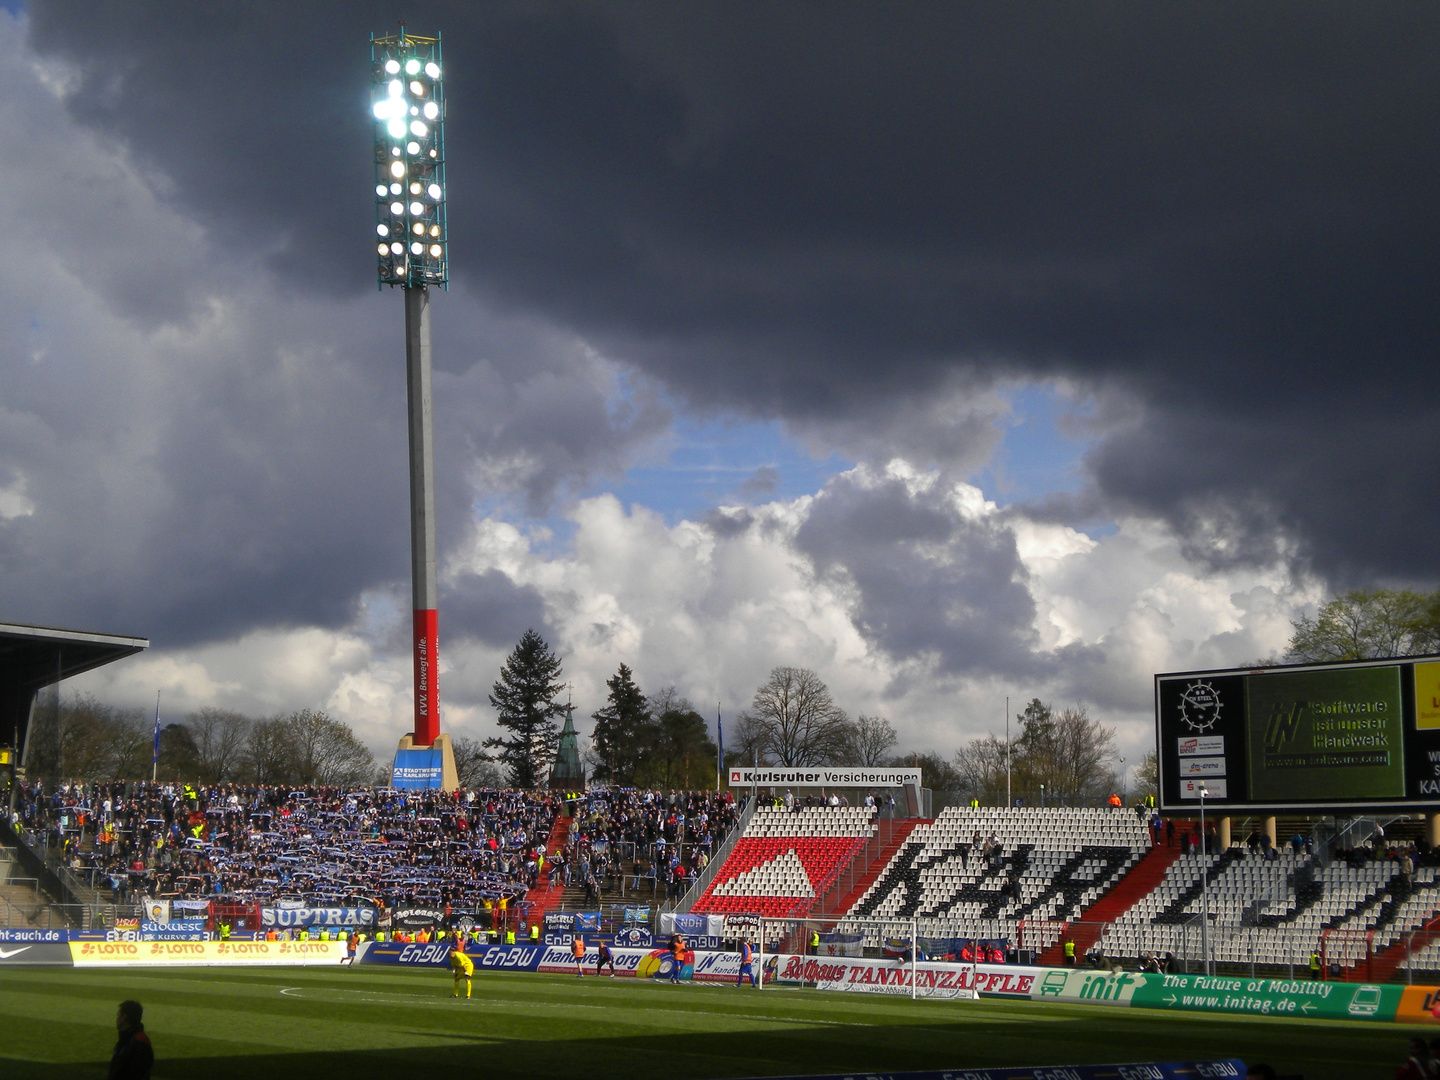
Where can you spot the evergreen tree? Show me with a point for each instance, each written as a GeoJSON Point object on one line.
{"type": "Point", "coordinates": [622, 730]}
{"type": "Point", "coordinates": [526, 701]}
{"type": "Point", "coordinates": [680, 753]}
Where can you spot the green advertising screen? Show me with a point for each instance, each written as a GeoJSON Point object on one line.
{"type": "Point", "coordinates": [1326, 735]}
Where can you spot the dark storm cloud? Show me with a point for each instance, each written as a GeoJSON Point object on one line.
{"type": "Point", "coordinates": [829, 212]}
{"type": "Point", "coordinates": [491, 608]}
{"type": "Point", "coordinates": [929, 581]}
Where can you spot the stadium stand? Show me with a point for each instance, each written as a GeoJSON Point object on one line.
{"type": "Point", "coordinates": [1274, 911]}
{"type": "Point", "coordinates": [980, 873]}
{"type": "Point", "coordinates": [787, 859]}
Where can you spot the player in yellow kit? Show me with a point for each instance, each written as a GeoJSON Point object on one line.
{"type": "Point", "coordinates": [462, 966]}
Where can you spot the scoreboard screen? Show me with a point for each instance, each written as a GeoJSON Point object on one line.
{"type": "Point", "coordinates": [1364, 734]}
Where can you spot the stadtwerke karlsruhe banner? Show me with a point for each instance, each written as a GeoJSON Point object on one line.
{"type": "Point", "coordinates": [1353, 735]}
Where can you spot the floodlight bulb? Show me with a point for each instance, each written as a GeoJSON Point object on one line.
{"type": "Point", "coordinates": [417, 249]}
{"type": "Point", "coordinates": [394, 151]}
{"type": "Point", "coordinates": [396, 128]}
{"type": "Point", "coordinates": [435, 230]}
{"type": "Point", "coordinates": [412, 66]}
{"type": "Point", "coordinates": [415, 188]}
{"type": "Point", "coordinates": [434, 153]}
{"type": "Point", "coordinates": [397, 169]}
{"type": "Point", "coordinates": [392, 67]}
{"type": "Point", "coordinates": [417, 88]}
{"type": "Point", "coordinates": [396, 88]}
{"type": "Point", "coordinates": [418, 129]}
{"type": "Point", "coordinates": [436, 251]}
{"type": "Point", "coordinates": [412, 148]}
{"type": "Point", "coordinates": [418, 228]}
{"type": "Point", "coordinates": [414, 110]}
{"type": "Point", "coordinates": [432, 69]}
{"type": "Point", "coordinates": [431, 110]}
{"type": "Point", "coordinates": [383, 248]}
{"type": "Point", "coordinates": [380, 190]}
{"type": "Point", "coordinates": [417, 208]}
{"type": "Point", "coordinates": [383, 230]}
{"type": "Point", "coordinates": [433, 191]}
{"type": "Point", "coordinates": [382, 109]}
{"type": "Point", "coordinates": [397, 208]}
{"type": "Point", "coordinates": [397, 248]}
{"type": "Point", "coordinates": [394, 189]}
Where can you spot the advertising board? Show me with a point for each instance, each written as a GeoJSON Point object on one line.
{"type": "Point", "coordinates": [889, 977]}
{"type": "Point", "coordinates": [34, 936]}
{"type": "Point", "coordinates": [1362, 734]}
{"type": "Point", "coordinates": [37, 954]}
{"type": "Point", "coordinates": [826, 778]}
{"type": "Point", "coordinates": [1229, 1069]}
{"type": "Point", "coordinates": [206, 953]}
{"type": "Point", "coordinates": [424, 768]}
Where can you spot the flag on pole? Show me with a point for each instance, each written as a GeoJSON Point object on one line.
{"type": "Point", "coordinates": [719, 748]}
{"type": "Point", "coordinates": [155, 748]}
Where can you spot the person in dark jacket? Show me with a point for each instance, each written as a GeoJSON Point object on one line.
{"type": "Point", "coordinates": [133, 1054]}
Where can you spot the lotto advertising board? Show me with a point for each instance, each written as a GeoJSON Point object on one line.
{"type": "Point", "coordinates": [206, 953]}
{"type": "Point", "coordinates": [1352, 735]}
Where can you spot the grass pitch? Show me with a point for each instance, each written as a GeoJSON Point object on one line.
{"type": "Point", "coordinates": [358, 1023]}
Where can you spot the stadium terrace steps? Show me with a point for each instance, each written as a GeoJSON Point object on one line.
{"type": "Point", "coordinates": [1141, 880]}
{"type": "Point", "coordinates": [901, 832]}
{"type": "Point", "coordinates": [546, 896]}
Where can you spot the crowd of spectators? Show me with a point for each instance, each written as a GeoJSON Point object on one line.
{"type": "Point", "coordinates": [259, 844]}
{"type": "Point", "coordinates": [632, 841]}
{"type": "Point", "coordinates": [325, 846]}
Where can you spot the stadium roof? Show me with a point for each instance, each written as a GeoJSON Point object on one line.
{"type": "Point", "coordinates": [36, 656]}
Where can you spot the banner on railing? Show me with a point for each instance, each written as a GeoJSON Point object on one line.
{"type": "Point", "coordinates": [678, 922]}
{"type": "Point", "coordinates": [295, 917]}
{"type": "Point", "coordinates": [157, 911]}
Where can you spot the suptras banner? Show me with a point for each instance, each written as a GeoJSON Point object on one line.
{"type": "Point", "coordinates": [206, 953]}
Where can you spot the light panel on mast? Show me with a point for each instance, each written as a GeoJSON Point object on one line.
{"type": "Point", "coordinates": [408, 111]}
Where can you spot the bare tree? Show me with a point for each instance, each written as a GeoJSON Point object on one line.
{"type": "Point", "coordinates": [869, 742]}
{"type": "Point", "coordinates": [981, 769]}
{"type": "Point", "coordinates": [270, 757]}
{"type": "Point", "coordinates": [796, 720]}
{"type": "Point", "coordinates": [474, 766]}
{"type": "Point", "coordinates": [326, 751]}
{"type": "Point", "coordinates": [220, 737]}
{"type": "Point", "coordinates": [85, 739]}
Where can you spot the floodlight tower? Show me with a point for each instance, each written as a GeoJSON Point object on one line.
{"type": "Point", "coordinates": [412, 252]}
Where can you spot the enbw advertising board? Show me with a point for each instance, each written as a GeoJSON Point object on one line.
{"type": "Point", "coordinates": [1363, 734]}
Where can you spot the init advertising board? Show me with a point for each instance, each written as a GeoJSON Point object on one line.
{"type": "Point", "coordinates": [1356, 735]}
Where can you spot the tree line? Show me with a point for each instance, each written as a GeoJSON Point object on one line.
{"type": "Point", "coordinates": [85, 739]}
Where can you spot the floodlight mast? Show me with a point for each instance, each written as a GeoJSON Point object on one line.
{"type": "Point", "coordinates": [412, 246]}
